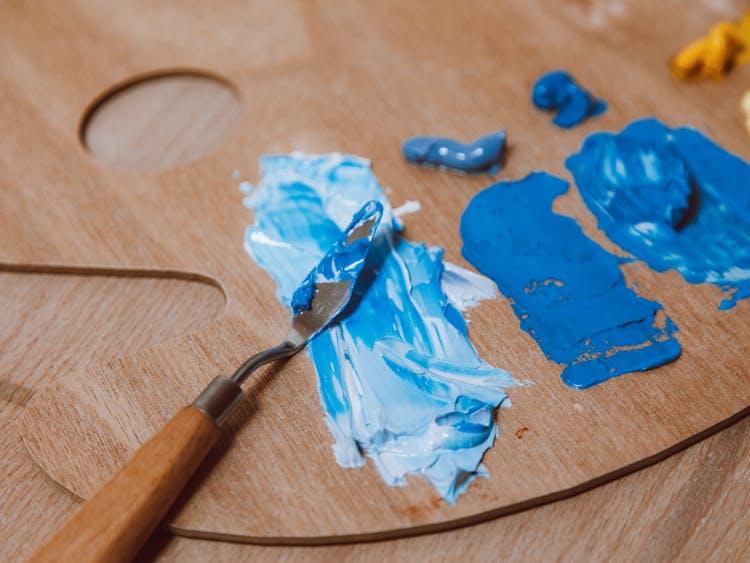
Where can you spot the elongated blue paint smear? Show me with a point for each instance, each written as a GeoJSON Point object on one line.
{"type": "Point", "coordinates": [568, 293]}
{"type": "Point", "coordinates": [482, 155]}
{"type": "Point", "coordinates": [557, 90]}
{"type": "Point", "coordinates": [398, 376]}
{"type": "Point", "coordinates": [674, 199]}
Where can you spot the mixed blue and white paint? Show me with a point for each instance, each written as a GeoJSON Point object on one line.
{"type": "Point", "coordinates": [341, 266]}
{"type": "Point", "coordinates": [674, 199]}
{"type": "Point", "coordinates": [398, 377]}
{"type": "Point", "coordinates": [568, 293]}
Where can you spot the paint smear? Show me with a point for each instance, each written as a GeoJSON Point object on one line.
{"type": "Point", "coordinates": [398, 377]}
{"type": "Point", "coordinates": [568, 293]}
{"type": "Point", "coordinates": [672, 198]}
{"type": "Point", "coordinates": [725, 46]}
{"type": "Point", "coordinates": [558, 91]}
{"type": "Point", "coordinates": [481, 155]}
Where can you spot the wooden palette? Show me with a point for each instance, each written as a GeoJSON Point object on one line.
{"type": "Point", "coordinates": [360, 79]}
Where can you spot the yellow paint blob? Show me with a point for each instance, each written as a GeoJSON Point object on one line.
{"type": "Point", "coordinates": [726, 45]}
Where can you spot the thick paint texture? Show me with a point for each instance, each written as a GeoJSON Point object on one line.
{"type": "Point", "coordinates": [674, 199]}
{"type": "Point", "coordinates": [558, 91]}
{"type": "Point", "coordinates": [725, 46]}
{"type": "Point", "coordinates": [398, 377]}
{"type": "Point", "coordinates": [568, 293]}
{"type": "Point", "coordinates": [344, 261]}
{"type": "Point", "coordinates": [482, 155]}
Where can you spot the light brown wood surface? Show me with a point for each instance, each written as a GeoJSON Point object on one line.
{"type": "Point", "coordinates": [54, 323]}
{"type": "Point", "coordinates": [113, 525]}
{"type": "Point", "coordinates": [507, 348]}
{"type": "Point", "coordinates": [184, 136]}
{"type": "Point", "coordinates": [692, 506]}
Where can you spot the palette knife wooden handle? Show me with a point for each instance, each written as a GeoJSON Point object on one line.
{"type": "Point", "coordinates": [117, 520]}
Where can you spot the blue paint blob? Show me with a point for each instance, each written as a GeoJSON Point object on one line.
{"type": "Point", "coordinates": [482, 155]}
{"type": "Point", "coordinates": [303, 295]}
{"type": "Point", "coordinates": [672, 198]}
{"type": "Point", "coordinates": [557, 90]}
{"type": "Point", "coordinates": [398, 377]}
{"type": "Point", "coordinates": [568, 293]}
{"type": "Point", "coordinates": [344, 261]}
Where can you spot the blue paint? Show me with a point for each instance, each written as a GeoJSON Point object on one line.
{"type": "Point", "coordinates": [344, 261]}
{"type": "Point", "coordinates": [672, 198]}
{"type": "Point", "coordinates": [568, 293]}
{"type": "Point", "coordinates": [557, 90]}
{"type": "Point", "coordinates": [398, 376]}
{"type": "Point", "coordinates": [482, 155]}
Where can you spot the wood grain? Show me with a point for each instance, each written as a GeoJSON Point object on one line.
{"type": "Point", "coordinates": [692, 506]}
{"type": "Point", "coordinates": [116, 521]}
{"type": "Point", "coordinates": [629, 70]}
{"type": "Point", "coordinates": [164, 107]}
{"type": "Point", "coordinates": [54, 323]}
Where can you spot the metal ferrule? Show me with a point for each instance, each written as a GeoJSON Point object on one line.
{"type": "Point", "coordinates": [219, 399]}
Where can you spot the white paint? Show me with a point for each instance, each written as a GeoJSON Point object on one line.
{"type": "Point", "coordinates": [464, 288]}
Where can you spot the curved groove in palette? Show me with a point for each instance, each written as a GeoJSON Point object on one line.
{"type": "Point", "coordinates": [52, 324]}
{"type": "Point", "coordinates": [299, 51]}
{"type": "Point", "coordinates": [169, 131]}
{"type": "Point", "coordinates": [480, 518]}
{"type": "Point", "coordinates": [106, 271]}
{"type": "Point", "coordinates": [145, 76]}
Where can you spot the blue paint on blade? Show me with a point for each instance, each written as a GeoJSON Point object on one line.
{"type": "Point", "coordinates": [344, 261]}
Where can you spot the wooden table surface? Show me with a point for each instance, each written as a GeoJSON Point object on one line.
{"type": "Point", "coordinates": [692, 506]}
